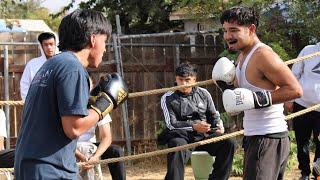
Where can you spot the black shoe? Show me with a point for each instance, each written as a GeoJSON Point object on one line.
{"type": "Point", "coordinates": [304, 177]}
{"type": "Point", "coordinates": [316, 167]}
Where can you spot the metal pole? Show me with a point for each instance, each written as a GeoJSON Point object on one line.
{"type": "Point", "coordinates": [215, 44]}
{"type": "Point", "coordinates": [168, 34]}
{"type": "Point", "coordinates": [25, 48]}
{"type": "Point", "coordinates": [177, 56]}
{"type": "Point", "coordinates": [115, 49]}
{"type": "Point", "coordinates": [118, 25]}
{"type": "Point", "coordinates": [124, 106]}
{"type": "Point", "coordinates": [18, 43]}
{"type": "Point", "coordinates": [160, 45]}
{"type": "Point", "coordinates": [6, 93]}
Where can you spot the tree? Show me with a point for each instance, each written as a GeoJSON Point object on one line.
{"type": "Point", "coordinates": [213, 9]}
{"type": "Point", "coordinates": [290, 24]}
{"type": "Point", "coordinates": [6, 6]}
{"type": "Point", "coordinates": [43, 13]}
{"type": "Point", "coordinates": [303, 22]}
{"type": "Point", "coordinates": [31, 9]}
{"type": "Point", "coordinates": [136, 16]}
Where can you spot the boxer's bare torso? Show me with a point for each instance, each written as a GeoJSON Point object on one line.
{"type": "Point", "coordinates": [266, 70]}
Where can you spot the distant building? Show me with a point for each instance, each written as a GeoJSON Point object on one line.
{"type": "Point", "coordinates": [192, 24]}
{"type": "Point", "coordinates": [21, 30]}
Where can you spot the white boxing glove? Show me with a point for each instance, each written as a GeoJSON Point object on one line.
{"type": "Point", "coordinates": [240, 99]}
{"type": "Point", "coordinates": [224, 70]}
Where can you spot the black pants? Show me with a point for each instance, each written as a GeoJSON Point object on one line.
{"type": "Point", "coordinates": [7, 158]}
{"type": "Point", "coordinates": [117, 169]}
{"type": "Point", "coordinates": [223, 150]}
{"type": "Point", "coordinates": [304, 126]}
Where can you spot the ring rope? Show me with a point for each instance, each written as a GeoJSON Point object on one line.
{"type": "Point", "coordinates": [12, 103]}
{"type": "Point", "coordinates": [165, 151]}
{"type": "Point", "coordinates": [164, 90]}
{"type": "Point", "coordinates": [179, 148]}
{"type": "Point", "coordinates": [192, 145]}
{"type": "Point", "coordinates": [210, 81]}
{"type": "Point", "coordinates": [4, 170]}
{"type": "Point", "coordinates": [302, 58]}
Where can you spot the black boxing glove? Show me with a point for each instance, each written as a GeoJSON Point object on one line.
{"type": "Point", "coordinates": [108, 94]}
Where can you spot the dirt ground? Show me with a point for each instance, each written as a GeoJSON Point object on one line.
{"type": "Point", "coordinates": [154, 170]}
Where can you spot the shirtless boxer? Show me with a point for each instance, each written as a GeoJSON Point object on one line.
{"type": "Point", "coordinates": [264, 82]}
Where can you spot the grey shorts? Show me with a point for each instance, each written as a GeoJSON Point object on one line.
{"type": "Point", "coordinates": [265, 157]}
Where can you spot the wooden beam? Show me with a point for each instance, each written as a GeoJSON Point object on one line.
{"type": "Point", "coordinates": [103, 68]}
{"type": "Point", "coordinates": [110, 68]}
{"type": "Point", "coordinates": [200, 60]}
{"type": "Point", "coordinates": [147, 68]}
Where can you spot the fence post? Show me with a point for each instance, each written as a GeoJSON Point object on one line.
{"type": "Point", "coordinates": [177, 57]}
{"type": "Point", "coordinates": [124, 106]}
{"type": "Point", "coordinates": [6, 93]}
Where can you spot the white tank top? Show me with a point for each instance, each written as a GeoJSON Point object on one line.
{"type": "Point", "coordinates": [259, 121]}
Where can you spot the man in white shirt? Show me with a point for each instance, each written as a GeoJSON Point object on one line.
{"type": "Point", "coordinates": [88, 149]}
{"type": "Point", "coordinates": [6, 156]}
{"type": "Point", "coordinates": [308, 74]}
{"type": "Point", "coordinates": [103, 149]}
{"type": "Point", "coordinates": [47, 47]}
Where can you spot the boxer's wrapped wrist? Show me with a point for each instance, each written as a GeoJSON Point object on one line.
{"type": "Point", "coordinates": [262, 99]}
{"type": "Point", "coordinates": [103, 105]}
{"type": "Point", "coordinates": [241, 99]}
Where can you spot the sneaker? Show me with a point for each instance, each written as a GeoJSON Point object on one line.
{"type": "Point", "coordinates": [316, 166]}
{"type": "Point", "coordinates": [304, 177]}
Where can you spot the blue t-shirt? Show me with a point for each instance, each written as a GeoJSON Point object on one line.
{"type": "Point", "coordinates": [60, 88]}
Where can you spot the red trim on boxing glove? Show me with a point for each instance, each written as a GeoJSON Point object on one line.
{"type": "Point", "coordinates": [262, 99]}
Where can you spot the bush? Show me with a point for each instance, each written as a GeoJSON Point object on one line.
{"type": "Point", "coordinates": [292, 160]}
{"type": "Point", "coordinates": [162, 126]}
{"type": "Point", "coordinates": [237, 163]}
{"type": "Point", "coordinates": [232, 55]}
{"type": "Point", "coordinates": [280, 51]}
{"type": "Point", "coordinates": [227, 120]}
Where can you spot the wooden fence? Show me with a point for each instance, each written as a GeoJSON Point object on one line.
{"type": "Point", "coordinates": [145, 68]}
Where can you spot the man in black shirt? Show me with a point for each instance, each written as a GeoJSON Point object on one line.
{"type": "Point", "coordinates": [190, 116]}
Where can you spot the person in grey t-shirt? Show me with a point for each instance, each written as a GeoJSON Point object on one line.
{"type": "Point", "coordinates": [57, 108]}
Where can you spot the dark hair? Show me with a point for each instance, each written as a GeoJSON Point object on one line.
{"type": "Point", "coordinates": [45, 36]}
{"type": "Point", "coordinates": [76, 29]}
{"type": "Point", "coordinates": [241, 15]}
{"type": "Point", "coordinates": [185, 70]}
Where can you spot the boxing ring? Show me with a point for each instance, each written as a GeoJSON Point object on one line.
{"type": "Point", "coordinates": [183, 147]}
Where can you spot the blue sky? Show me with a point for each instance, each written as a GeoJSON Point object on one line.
{"type": "Point", "coordinates": [56, 5]}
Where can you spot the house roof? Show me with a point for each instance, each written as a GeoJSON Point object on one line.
{"type": "Point", "coordinates": [24, 25]}
{"type": "Point", "coordinates": [180, 14]}
{"type": "Point", "coordinates": [14, 28]}
{"type": "Point", "coordinates": [185, 13]}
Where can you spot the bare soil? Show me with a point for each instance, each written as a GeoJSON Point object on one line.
{"type": "Point", "coordinates": [156, 170]}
